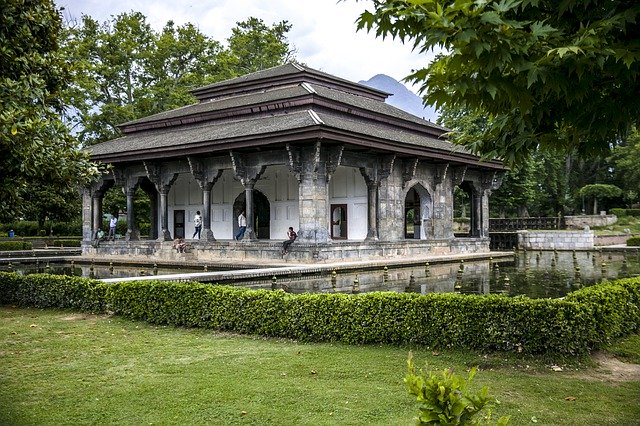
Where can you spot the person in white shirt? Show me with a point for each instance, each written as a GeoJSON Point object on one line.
{"type": "Point", "coordinates": [197, 219]}
{"type": "Point", "coordinates": [242, 225]}
{"type": "Point", "coordinates": [112, 227]}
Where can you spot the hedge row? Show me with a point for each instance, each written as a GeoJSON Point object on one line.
{"type": "Point", "coordinates": [633, 241]}
{"type": "Point", "coordinates": [15, 245]}
{"type": "Point", "coordinates": [28, 228]}
{"type": "Point", "coordinates": [584, 320]}
{"type": "Point", "coordinates": [625, 212]}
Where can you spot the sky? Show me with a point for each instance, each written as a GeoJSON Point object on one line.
{"type": "Point", "coordinates": [323, 31]}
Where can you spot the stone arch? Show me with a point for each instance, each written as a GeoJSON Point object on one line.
{"type": "Point", "coordinates": [261, 215]}
{"type": "Point", "coordinates": [463, 204]}
{"type": "Point", "coordinates": [418, 211]}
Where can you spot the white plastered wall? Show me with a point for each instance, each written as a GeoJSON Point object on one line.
{"type": "Point", "coordinates": [277, 184]}
{"type": "Point", "coordinates": [347, 186]}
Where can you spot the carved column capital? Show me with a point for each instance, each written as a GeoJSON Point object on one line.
{"type": "Point", "coordinates": [458, 174]}
{"type": "Point", "coordinates": [409, 167]}
{"type": "Point", "coordinates": [204, 175]}
{"type": "Point", "coordinates": [247, 174]}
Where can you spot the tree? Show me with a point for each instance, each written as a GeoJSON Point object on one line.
{"type": "Point", "coordinates": [254, 46]}
{"type": "Point", "coordinates": [124, 70]}
{"type": "Point", "coordinates": [43, 201]}
{"type": "Point", "coordinates": [626, 166]}
{"type": "Point", "coordinates": [35, 146]}
{"type": "Point", "coordinates": [599, 190]}
{"type": "Point", "coordinates": [554, 74]}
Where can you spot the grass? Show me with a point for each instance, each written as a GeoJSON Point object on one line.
{"type": "Point", "coordinates": [61, 368]}
{"type": "Point", "coordinates": [627, 349]}
{"type": "Point", "coordinates": [623, 224]}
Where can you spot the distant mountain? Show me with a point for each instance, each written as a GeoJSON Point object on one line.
{"type": "Point", "coordinates": [402, 97]}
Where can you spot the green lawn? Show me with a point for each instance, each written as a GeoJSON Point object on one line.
{"type": "Point", "coordinates": [61, 368]}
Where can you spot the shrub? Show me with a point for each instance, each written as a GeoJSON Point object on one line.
{"type": "Point", "coordinates": [633, 241]}
{"type": "Point", "coordinates": [584, 320]}
{"type": "Point", "coordinates": [445, 398]}
{"type": "Point", "coordinates": [64, 243]}
{"type": "Point", "coordinates": [618, 212]}
{"type": "Point", "coordinates": [15, 245]}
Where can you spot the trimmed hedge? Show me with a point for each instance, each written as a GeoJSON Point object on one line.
{"type": "Point", "coordinates": [625, 212]}
{"type": "Point", "coordinates": [584, 320]}
{"type": "Point", "coordinates": [633, 241]}
{"type": "Point", "coordinates": [15, 245]}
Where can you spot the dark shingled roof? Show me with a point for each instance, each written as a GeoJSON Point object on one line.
{"type": "Point", "coordinates": [310, 106]}
{"type": "Point", "coordinates": [203, 132]}
{"type": "Point", "coordinates": [291, 73]}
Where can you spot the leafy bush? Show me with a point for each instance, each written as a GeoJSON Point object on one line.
{"type": "Point", "coordinates": [614, 306]}
{"type": "Point", "coordinates": [53, 291]}
{"type": "Point", "coordinates": [64, 243]}
{"type": "Point", "coordinates": [618, 212]}
{"type": "Point", "coordinates": [27, 228]}
{"type": "Point", "coordinates": [584, 320]}
{"type": "Point", "coordinates": [15, 245]}
{"type": "Point", "coordinates": [633, 241]}
{"type": "Point", "coordinates": [625, 212]}
{"type": "Point", "coordinates": [446, 400]}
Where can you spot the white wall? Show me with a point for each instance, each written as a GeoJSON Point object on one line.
{"type": "Point", "coordinates": [347, 186]}
{"type": "Point", "coordinates": [277, 184]}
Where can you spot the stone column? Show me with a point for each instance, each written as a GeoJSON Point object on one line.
{"type": "Point", "coordinates": [162, 180]}
{"type": "Point", "coordinates": [132, 231]}
{"type": "Point", "coordinates": [87, 213]}
{"type": "Point", "coordinates": [96, 210]}
{"type": "Point", "coordinates": [164, 234]}
{"type": "Point", "coordinates": [248, 175]}
{"type": "Point", "coordinates": [206, 212]}
{"type": "Point", "coordinates": [250, 233]}
{"type": "Point", "coordinates": [372, 206]}
{"type": "Point", "coordinates": [153, 215]}
{"type": "Point", "coordinates": [206, 175]}
{"type": "Point", "coordinates": [313, 166]}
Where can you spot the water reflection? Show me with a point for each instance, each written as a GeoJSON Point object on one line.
{"type": "Point", "coordinates": [537, 274]}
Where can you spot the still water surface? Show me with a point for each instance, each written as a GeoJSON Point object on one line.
{"type": "Point", "coordinates": [536, 274]}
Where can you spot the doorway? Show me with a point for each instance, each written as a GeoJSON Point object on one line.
{"type": "Point", "coordinates": [178, 223]}
{"type": "Point", "coordinates": [339, 221]}
{"type": "Point", "coordinates": [261, 214]}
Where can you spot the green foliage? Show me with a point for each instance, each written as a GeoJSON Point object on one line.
{"type": "Point", "coordinates": [26, 228]}
{"type": "Point", "coordinates": [445, 398]}
{"type": "Point", "coordinates": [254, 46]}
{"type": "Point", "coordinates": [633, 241]}
{"type": "Point", "coordinates": [44, 201]}
{"type": "Point", "coordinates": [584, 320]}
{"type": "Point", "coordinates": [626, 168]}
{"type": "Point", "coordinates": [544, 73]}
{"type": "Point", "coordinates": [123, 69]}
{"type": "Point", "coordinates": [35, 146]}
{"type": "Point", "coordinates": [614, 307]}
{"type": "Point", "coordinates": [53, 291]}
{"type": "Point", "coordinates": [15, 245]}
{"type": "Point", "coordinates": [620, 213]}
{"type": "Point", "coordinates": [600, 190]}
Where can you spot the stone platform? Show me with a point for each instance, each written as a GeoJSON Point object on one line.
{"type": "Point", "coordinates": [299, 251]}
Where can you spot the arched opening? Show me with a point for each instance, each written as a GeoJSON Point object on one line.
{"type": "Point", "coordinates": [463, 213]}
{"type": "Point", "coordinates": [417, 213]}
{"type": "Point", "coordinates": [261, 214]}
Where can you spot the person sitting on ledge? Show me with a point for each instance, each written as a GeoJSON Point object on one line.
{"type": "Point", "coordinates": [180, 245]}
{"type": "Point", "coordinates": [291, 235]}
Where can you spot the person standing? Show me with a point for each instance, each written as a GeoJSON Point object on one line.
{"type": "Point", "coordinates": [291, 237]}
{"type": "Point", "coordinates": [197, 220]}
{"type": "Point", "coordinates": [242, 226]}
{"type": "Point", "coordinates": [112, 227]}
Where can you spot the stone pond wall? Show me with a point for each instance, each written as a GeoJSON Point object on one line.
{"type": "Point", "coordinates": [560, 240]}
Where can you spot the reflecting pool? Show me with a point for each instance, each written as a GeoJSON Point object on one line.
{"type": "Point", "coordinates": [536, 274]}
